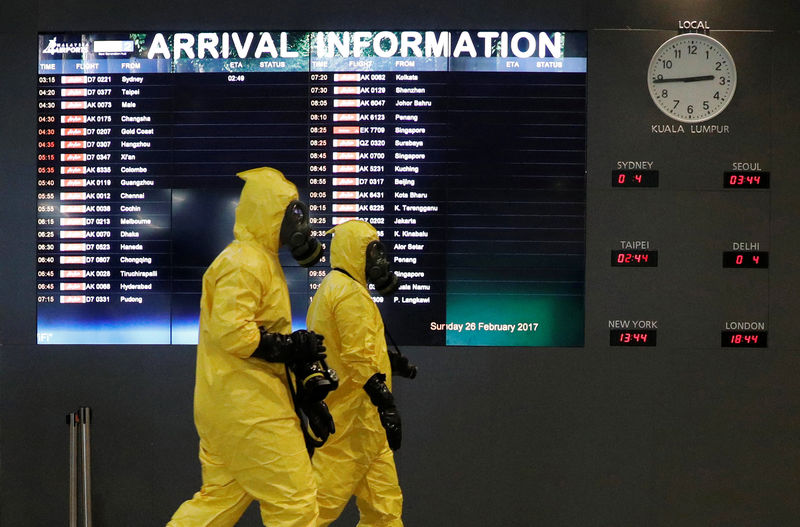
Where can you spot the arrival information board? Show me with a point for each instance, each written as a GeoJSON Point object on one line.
{"type": "Point", "coordinates": [465, 149]}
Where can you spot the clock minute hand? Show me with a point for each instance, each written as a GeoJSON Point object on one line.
{"type": "Point", "coordinates": [685, 79]}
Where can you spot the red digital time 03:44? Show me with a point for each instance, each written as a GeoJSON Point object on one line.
{"type": "Point", "coordinates": [746, 180]}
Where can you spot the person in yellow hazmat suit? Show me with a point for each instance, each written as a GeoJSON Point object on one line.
{"type": "Point", "coordinates": [358, 460]}
{"type": "Point", "coordinates": [251, 443]}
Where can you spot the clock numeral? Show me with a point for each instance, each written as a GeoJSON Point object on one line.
{"type": "Point", "coordinates": [692, 49]}
{"type": "Point", "coordinates": [690, 109]}
{"type": "Point", "coordinates": [666, 64]}
{"type": "Point", "coordinates": [677, 53]}
{"type": "Point", "coordinates": [705, 105]}
{"type": "Point", "coordinates": [722, 81]}
{"type": "Point", "coordinates": [677, 102]}
{"type": "Point", "coordinates": [664, 94]}
{"type": "Point", "coordinates": [716, 95]}
{"type": "Point", "coordinates": [719, 66]}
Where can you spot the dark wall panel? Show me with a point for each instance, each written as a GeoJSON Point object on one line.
{"type": "Point", "coordinates": [685, 433]}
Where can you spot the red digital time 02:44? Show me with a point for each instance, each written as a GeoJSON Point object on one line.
{"type": "Point", "coordinates": [622, 258]}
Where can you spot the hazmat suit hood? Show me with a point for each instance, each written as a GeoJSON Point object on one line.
{"type": "Point", "coordinates": [349, 251]}
{"type": "Point", "coordinates": [262, 205]}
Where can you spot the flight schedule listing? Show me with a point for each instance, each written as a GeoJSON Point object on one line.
{"type": "Point", "coordinates": [465, 149]}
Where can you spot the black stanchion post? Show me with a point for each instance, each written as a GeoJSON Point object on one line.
{"type": "Point", "coordinates": [72, 423]}
{"type": "Point", "coordinates": [86, 421]}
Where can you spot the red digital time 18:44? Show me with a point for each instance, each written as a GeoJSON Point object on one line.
{"type": "Point", "coordinates": [744, 339]}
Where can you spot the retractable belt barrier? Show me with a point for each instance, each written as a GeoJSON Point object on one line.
{"type": "Point", "coordinates": [80, 467]}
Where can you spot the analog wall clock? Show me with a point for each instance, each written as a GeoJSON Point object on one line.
{"type": "Point", "coordinates": [692, 77]}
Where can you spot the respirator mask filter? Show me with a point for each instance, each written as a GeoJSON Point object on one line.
{"type": "Point", "coordinates": [296, 235]}
{"type": "Point", "coordinates": [377, 270]}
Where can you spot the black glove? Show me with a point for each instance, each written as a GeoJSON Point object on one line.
{"type": "Point", "coordinates": [300, 346]}
{"type": "Point", "coordinates": [383, 399]}
{"type": "Point", "coordinates": [319, 419]}
{"type": "Point", "coordinates": [401, 365]}
{"type": "Point", "coordinates": [315, 422]}
{"type": "Point", "coordinates": [390, 420]}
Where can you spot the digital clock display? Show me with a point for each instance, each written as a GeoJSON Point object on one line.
{"type": "Point", "coordinates": [746, 180]}
{"type": "Point", "coordinates": [624, 337]}
{"type": "Point", "coordinates": [745, 259]}
{"type": "Point", "coordinates": [744, 339]}
{"type": "Point", "coordinates": [634, 178]}
{"type": "Point", "coordinates": [634, 258]}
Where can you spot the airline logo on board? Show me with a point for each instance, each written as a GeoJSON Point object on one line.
{"type": "Point", "coordinates": [54, 47]}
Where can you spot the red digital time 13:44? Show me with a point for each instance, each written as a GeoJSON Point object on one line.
{"type": "Point", "coordinates": [624, 337]}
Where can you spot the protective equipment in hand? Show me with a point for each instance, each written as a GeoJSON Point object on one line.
{"type": "Point", "coordinates": [296, 235]}
{"type": "Point", "coordinates": [377, 269]}
{"type": "Point", "coordinates": [304, 353]}
{"type": "Point", "coordinates": [401, 366]}
{"type": "Point", "coordinates": [315, 380]}
{"type": "Point", "coordinates": [383, 399]}
{"type": "Point", "coordinates": [315, 418]}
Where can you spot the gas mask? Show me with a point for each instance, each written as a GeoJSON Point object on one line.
{"type": "Point", "coordinates": [296, 235]}
{"type": "Point", "coordinates": [377, 269]}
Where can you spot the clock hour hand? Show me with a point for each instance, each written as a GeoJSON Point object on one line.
{"type": "Point", "coordinates": [684, 79]}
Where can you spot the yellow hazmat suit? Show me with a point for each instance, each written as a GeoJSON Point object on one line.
{"type": "Point", "coordinates": [356, 460]}
{"type": "Point", "coordinates": [251, 444]}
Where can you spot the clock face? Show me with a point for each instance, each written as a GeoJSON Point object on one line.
{"type": "Point", "coordinates": [691, 77]}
